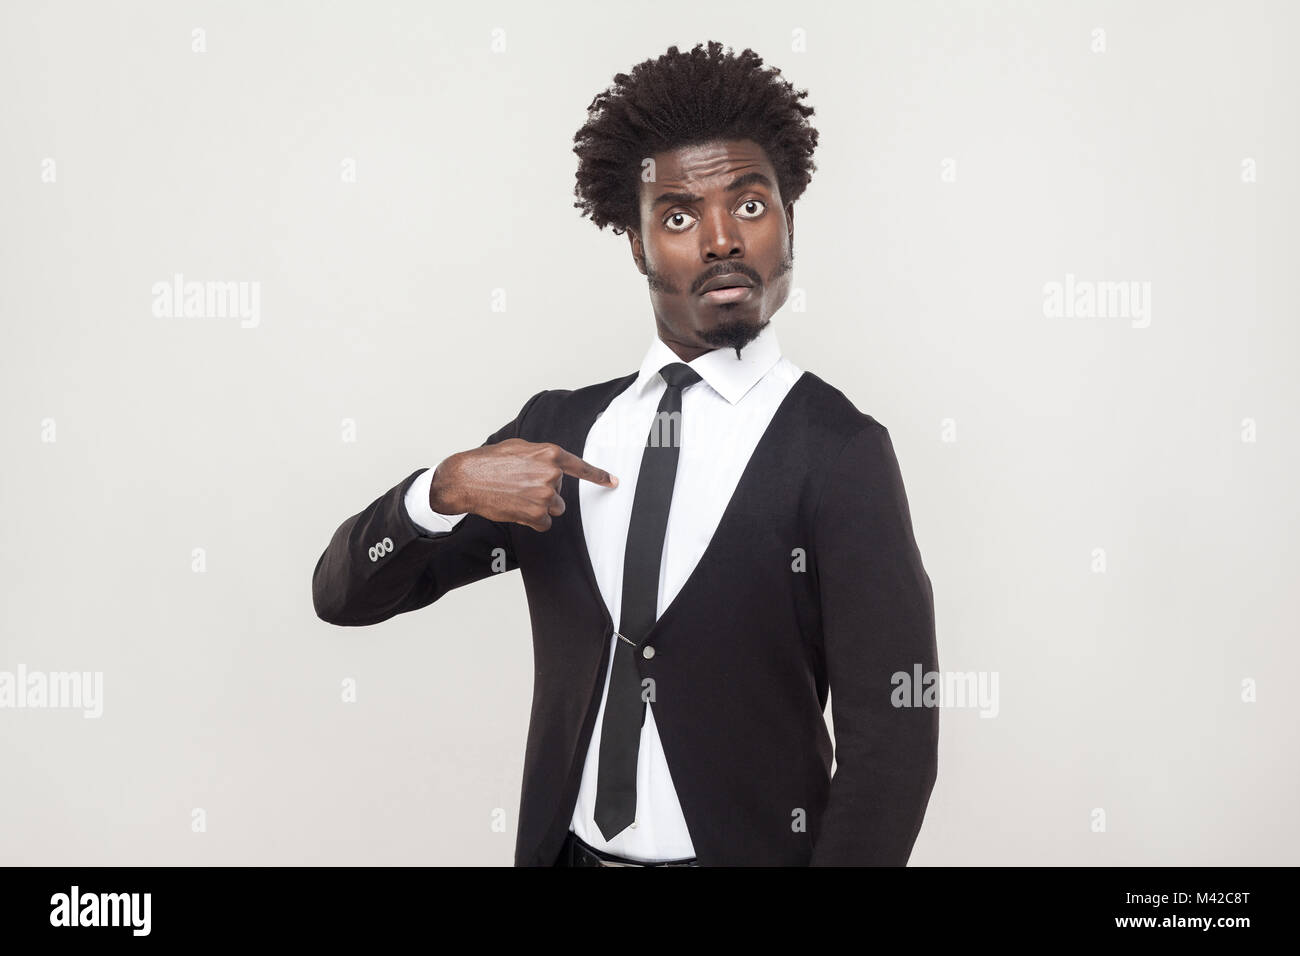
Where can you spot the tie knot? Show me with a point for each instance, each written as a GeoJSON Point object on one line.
{"type": "Point", "coordinates": [679, 375]}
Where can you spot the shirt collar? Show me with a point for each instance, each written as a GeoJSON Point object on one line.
{"type": "Point", "coordinates": [729, 376]}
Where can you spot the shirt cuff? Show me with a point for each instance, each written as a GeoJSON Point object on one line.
{"type": "Point", "coordinates": [417, 506]}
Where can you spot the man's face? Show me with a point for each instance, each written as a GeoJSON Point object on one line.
{"type": "Point", "coordinates": [713, 209]}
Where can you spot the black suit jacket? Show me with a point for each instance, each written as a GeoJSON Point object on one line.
{"type": "Point", "coordinates": [812, 579]}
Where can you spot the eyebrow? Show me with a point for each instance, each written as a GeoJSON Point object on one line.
{"type": "Point", "coordinates": [740, 182]}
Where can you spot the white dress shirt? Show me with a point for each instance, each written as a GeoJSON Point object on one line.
{"type": "Point", "coordinates": [723, 417]}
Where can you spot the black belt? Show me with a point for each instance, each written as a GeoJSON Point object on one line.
{"type": "Point", "coordinates": [578, 853]}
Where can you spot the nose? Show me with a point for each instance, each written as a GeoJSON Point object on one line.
{"type": "Point", "coordinates": [721, 239]}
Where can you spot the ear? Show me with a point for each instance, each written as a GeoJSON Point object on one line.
{"type": "Point", "coordinates": [638, 251]}
{"type": "Point", "coordinates": [789, 218]}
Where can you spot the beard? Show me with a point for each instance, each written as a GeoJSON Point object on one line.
{"type": "Point", "coordinates": [734, 334]}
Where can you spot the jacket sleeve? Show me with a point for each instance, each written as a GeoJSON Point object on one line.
{"type": "Point", "coordinates": [380, 563]}
{"type": "Point", "coordinates": [877, 610]}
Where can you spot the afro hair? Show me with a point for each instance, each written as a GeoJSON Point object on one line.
{"type": "Point", "coordinates": [687, 99]}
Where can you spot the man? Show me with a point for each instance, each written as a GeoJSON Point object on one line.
{"type": "Point", "coordinates": [739, 518]}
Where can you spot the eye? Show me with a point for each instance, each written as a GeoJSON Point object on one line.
{"type": "Point", "coordinates": [754, 202]}
{"type": "Point", "coordinates": [677, 215]}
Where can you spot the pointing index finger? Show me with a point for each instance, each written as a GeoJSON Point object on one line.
{"type": "Point", "coordinates": [571, 464]}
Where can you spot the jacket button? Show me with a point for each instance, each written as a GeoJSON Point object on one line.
{"type": "Point", "coordinates": [647, 652]}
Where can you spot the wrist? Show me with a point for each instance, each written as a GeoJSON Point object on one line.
{"type": "Point", "coordinates": [443, 496]}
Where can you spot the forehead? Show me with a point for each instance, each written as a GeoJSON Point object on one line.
{"type": "Point", "coordinates": [706, 164]}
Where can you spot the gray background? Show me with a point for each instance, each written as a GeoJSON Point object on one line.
{"type": "Point", "coordinates": [1119, 691]}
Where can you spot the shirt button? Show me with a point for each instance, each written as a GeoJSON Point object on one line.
{"type": "Point", "coordinates": [647, 652]}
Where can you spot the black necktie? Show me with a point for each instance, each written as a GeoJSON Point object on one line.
{"type": "Point", "coordinates": [620, 732]}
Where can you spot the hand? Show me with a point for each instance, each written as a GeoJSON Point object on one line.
{"type": "Point", "coordinates": [512, 480]}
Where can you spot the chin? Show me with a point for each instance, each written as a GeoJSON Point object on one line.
{"type": "Point", "coordinates": [733, 332]}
